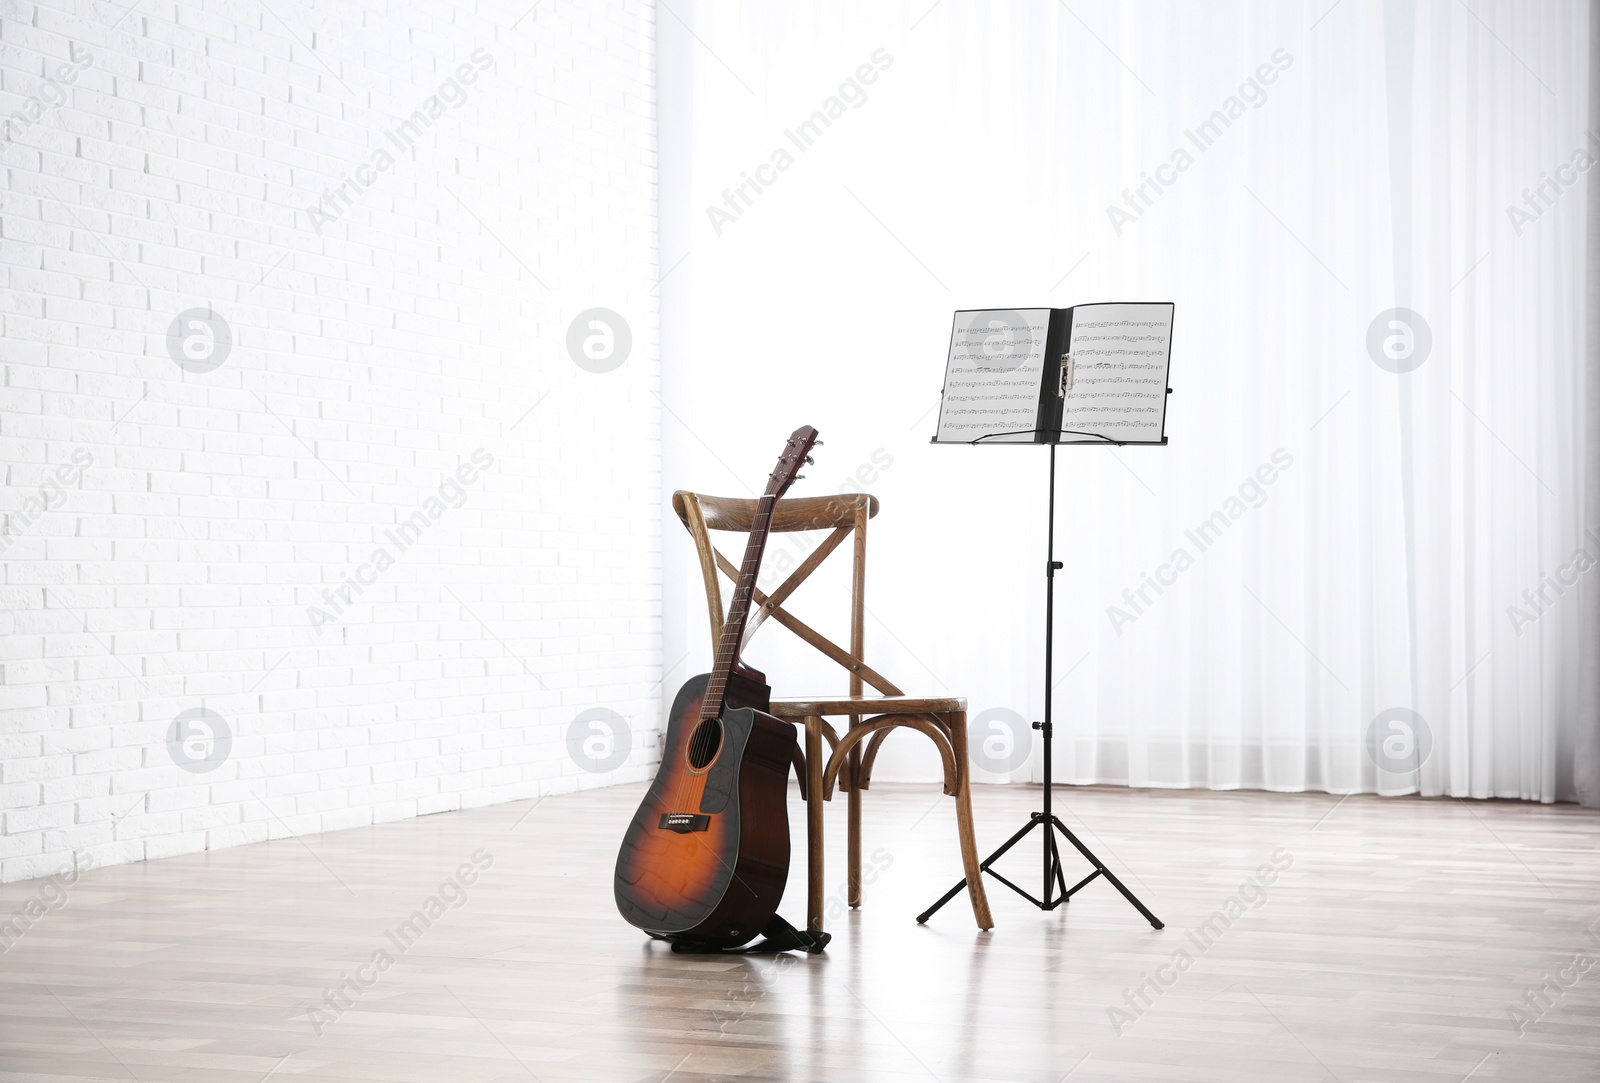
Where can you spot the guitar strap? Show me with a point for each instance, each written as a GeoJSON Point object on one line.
{"type": "Point", "coordinates": [778, 936]}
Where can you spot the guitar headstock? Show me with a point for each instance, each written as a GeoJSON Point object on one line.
{"type": "Point", "coordinates": [796, 453]}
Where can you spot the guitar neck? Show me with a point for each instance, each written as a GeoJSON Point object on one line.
{"type": "Point", "coordinates": [739, 609]}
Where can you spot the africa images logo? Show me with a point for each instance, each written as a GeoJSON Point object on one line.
{"type": "Point", "coordinates": [599, 340]}
{"type": "Point", "coordinates": [199, 740]}
{"type": "Point", "coordinates": [199, 340]}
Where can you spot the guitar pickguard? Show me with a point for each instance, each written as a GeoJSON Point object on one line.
{"type": "Point", "coordinates": [722, 780]}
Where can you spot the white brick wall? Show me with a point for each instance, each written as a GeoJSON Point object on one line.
{"type": "Point", "coordinates": [169, 530]}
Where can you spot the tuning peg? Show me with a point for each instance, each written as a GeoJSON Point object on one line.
{"type": "Point", "coordinates": [810, 461]}
{"type": "Point", "coordinates": [816, 443]}
{"type": "Point", "coordinates": [799, 477]}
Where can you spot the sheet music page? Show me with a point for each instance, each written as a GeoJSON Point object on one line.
{"type": "Point", "coordinates": [992, 375]}
{"type": "Point", "coordinates": [1119, 379]}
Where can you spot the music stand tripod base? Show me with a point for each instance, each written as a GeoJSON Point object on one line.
{"type": "Point", "coordinates": [1055, 891]}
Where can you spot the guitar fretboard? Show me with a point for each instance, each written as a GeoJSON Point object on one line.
{"type": "Point", "coordinates": [739, 609]}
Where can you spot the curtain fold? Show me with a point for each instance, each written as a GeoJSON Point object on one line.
{"type": "Point", "coordinates": [1362, 563]}
{"type": "Point", "coordinates": [1586, 743]}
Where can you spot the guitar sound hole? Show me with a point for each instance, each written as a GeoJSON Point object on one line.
{"type": "Point", "coordinates": [705, 742]}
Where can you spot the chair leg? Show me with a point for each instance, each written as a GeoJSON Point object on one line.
{"type": "Point", "coordinates": [957, 721]}
{"type": "Point", "coordinates": [814, 865]}
{"type": "Point", "coordinates": [854, 821]}
{"type": "Point", "coordinates": [801, 775]}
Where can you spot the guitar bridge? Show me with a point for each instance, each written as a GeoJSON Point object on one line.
{"type": "Point", "coordinates": [684, 822]}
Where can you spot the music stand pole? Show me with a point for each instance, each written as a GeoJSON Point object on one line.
{"type": "Point", "coordinates": [1054, 879]}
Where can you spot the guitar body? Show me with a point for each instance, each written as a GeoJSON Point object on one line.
{"type": "Point", "coordinates": [706, 856]}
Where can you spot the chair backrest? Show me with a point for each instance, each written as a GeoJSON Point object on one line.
{"type": "Point", "coordinates": [842, 515]}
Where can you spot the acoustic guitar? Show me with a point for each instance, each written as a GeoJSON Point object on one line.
{"type": "Point", "coordinates": [706, 856]}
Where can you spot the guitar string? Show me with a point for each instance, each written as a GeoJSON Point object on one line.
{"type": "Point", "coordinates": [691, 787]}
{"type": "Point", "coordinates": [738, 614]}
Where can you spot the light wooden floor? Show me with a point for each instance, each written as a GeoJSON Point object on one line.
{"type": "Point", "coordinates": [1393, 948]}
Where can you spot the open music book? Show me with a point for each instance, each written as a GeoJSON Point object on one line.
{"type": "Point", "coordinates": [1083, 375]}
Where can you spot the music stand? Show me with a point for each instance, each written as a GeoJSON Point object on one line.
{"type": "Point", "coordinates": [1059, 364]}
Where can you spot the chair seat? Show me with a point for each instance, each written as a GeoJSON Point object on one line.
{"type": "Point", "coordinates": [797, 710]}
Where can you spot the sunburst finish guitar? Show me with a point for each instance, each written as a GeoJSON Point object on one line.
{"type": "Point", "coordinates": [706, 855]}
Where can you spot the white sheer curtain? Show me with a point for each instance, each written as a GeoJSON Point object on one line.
{"type": "Point", "coordinates": [1381, 602]}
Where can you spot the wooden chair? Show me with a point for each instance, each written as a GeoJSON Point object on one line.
{"type": "Point", "coordinates": [943, 720]}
